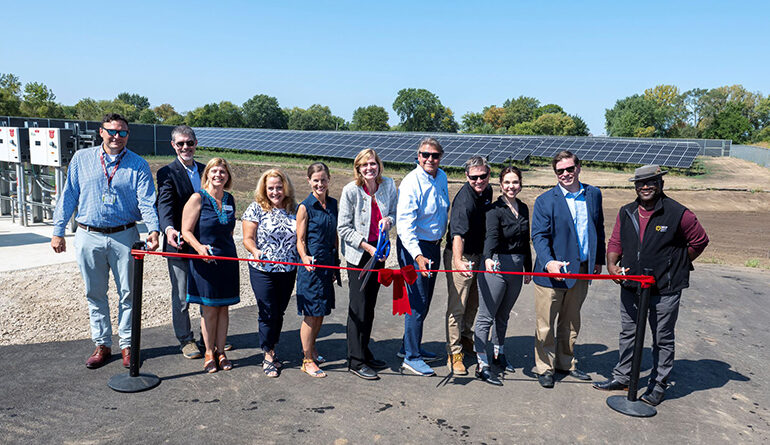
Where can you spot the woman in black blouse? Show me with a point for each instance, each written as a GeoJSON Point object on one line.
{"type": "Point", "coordinates": [506, 248]}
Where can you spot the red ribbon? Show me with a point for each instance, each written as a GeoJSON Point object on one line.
{"type": "Point", "coordinates": [399, 278]}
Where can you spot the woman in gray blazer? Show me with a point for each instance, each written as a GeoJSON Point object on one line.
{"type": "Point", "coordinates": [366, 206]}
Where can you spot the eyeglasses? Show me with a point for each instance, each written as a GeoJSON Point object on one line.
{"type": "Point", "coordinates": [181, 144]}
{"type": "Point", "coordinates": [426, 155]}
{"type": "Point", "coordinates": [646, 183]}
{"type": "Point", "coordinates": [120, 133]}
{"type": "Point", "coordinates": [570, 169]}
{"type": "Point", "coordinates": [477, 177]}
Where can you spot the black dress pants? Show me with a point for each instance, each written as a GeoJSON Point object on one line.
{"type": "Point", "coordinates": [361, 314]}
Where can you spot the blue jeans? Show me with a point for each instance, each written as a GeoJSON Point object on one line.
{"type": "Point", "coordinates": [420, 294]}
{"type": "Point", "coordinates": [97, 254]}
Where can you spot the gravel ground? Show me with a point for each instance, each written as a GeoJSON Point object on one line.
{"type": "Point", "coordinates": [53, 306]}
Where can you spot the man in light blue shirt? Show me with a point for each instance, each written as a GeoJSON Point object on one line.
{"type": "Point", "coordinates": [112, 189]}
{"type": "Point", "coordinates": [568, 237]}
{"type": "Point", "coordinates": [421, 220]}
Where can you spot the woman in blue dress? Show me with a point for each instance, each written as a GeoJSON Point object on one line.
{"type": "Point", "coordinates": [316, 244]}
{"type": "Point", "coordinates": [208, 220]}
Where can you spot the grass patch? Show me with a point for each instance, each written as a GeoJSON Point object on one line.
{"type": "Point", "coordinates": [752, 262]}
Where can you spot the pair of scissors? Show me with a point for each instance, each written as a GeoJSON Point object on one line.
{"type": "Point", "coordinates": [381, 252]}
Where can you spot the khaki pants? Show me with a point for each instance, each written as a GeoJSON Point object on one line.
{"type": "Point", "coordinates": [462, 303]}
{"type": "Point", "coordinates": [558, 353]}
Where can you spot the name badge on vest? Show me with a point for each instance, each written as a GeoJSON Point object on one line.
{"type": "Point", "coordinates": [108, 198]}
{"type": "Point", "coordinates": [661, 228]}
{"type": "Point", "coordinates": [227, 208]}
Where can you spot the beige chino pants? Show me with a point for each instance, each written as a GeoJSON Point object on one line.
{"type": "Point", "coordinates": [556, 352]}
{"type": "Point", "coordinates": [462, 303]}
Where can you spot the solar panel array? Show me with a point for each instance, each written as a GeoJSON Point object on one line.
{"type": "Point", "coordinates": [402, 147]}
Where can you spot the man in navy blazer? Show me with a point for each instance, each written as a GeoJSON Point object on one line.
{"type": "Point", "coordinates": [177, 181]}
{"type": "Point", "coordinates": [568, 236]}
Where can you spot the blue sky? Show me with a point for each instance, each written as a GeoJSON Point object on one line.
{"type": "Point", "coordinates": [581, 55]}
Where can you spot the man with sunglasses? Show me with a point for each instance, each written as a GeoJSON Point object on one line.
{"type": "Point", "coordinates": [421, 219]}
{"type": "Point", "coordinates": [178, 181]}
{"type": "Point", "coordinates": [663, 235]}
{"type": "Point", "coordinates": [112, 189]}
{"type": "Point", "coordinates": [464, 245]}
{"type": "Point", "coordinates": [568, 237]}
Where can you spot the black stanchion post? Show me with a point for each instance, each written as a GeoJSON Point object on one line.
{"type": "Point", "coordinates": [133, 381]}
{"type": "Point", "coordinates": [629, 405]}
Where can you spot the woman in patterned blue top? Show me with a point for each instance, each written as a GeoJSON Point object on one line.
{"type": "Point", "coordinates": [208, 220]}
{"type": "Point", "coordinates": [270, 233]}
{"type": "Point", "coordinates": [316, 244]}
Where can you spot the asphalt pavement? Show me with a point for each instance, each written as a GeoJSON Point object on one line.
{"type": "Point", "coordinates": [719, 390]}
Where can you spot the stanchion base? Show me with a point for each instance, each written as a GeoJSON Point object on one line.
{"type": "Point", "coordinates": [636, 408]}
{"type": "Point", "coordinates": [126, 383]}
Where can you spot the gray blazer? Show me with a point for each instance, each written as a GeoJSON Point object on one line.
{"type": "Point", "coordinates": [355, 215]}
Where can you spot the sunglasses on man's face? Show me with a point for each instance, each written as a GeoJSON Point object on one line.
{"type": "Point", "coordinates": [120, 133]}
{"type": "Point", "coordinates": [477, 177]}
{"type": "Point", "coordinates": [181, 144]}
{"type": "Point", "coordinates": [426, 155]}
{"type": "Point", "coordinates": [646, 183]}
{"type": "Point", "coordinates": [560, 171]}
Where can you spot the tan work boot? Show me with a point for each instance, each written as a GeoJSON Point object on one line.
{"type": "Point", "coordinates": [456, 365]}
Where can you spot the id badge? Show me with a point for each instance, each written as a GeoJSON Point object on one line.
{"type": "Point", "coordinates": [108, 198]}
{"type": "Point", "coordinates": [227, 208]}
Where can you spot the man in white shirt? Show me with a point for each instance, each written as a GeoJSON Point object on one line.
{"type": "Point", "coordinates": [422, 216]}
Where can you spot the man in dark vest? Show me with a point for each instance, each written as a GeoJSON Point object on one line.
{"type": "Point", "coordinates": [653, 232]}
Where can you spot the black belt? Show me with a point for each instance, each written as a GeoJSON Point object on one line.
{"type": "Point", "coordinates": [106, 229]}
{"type": "Point", "coordinates": [436, 242]}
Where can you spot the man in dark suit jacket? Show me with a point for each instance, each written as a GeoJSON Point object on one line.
{"type": "Point", "coordinates": [176, 183]}
{"type": "Point", "coordinates": [568, 236]}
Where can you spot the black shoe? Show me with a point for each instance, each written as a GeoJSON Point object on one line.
{"type": "Point", "coordinates": [580, 375]}
{"type": "Point", "coordinates": [365, 373]}
{"type": "Point", "coordinates": [377, 364]}
{"type": "Point", "coordinates": [486, 375]}
{"type": "Point", "coordinates": [501, 362]}
{"type": "Point", "coordinates": [610, 385]}
{"type": "Point", "coordinates": [652, 398]}
{"type": "Point", "coordinates": [545, 379]}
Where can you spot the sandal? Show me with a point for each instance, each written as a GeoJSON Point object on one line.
{"type": "Point", "coordinates": [270, 369]}
{"type": "Point", "coordinates": [224, 363]}
{"type": "Point", "coordinates": [275, 362]}
{"type": "Point", "coordinates": [209, 364]}
{"type": "Point", "coordinates": [318, 373]}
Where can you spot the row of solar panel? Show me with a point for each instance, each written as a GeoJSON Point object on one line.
{"type": "Point", "coordinates": [402, 147]}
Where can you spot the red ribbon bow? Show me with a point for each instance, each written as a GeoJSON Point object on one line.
{"type": "Point", "coordinates": [399, 278]}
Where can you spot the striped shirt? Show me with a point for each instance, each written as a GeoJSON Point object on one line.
{"type": "Point", "coordinates": [130, 196]}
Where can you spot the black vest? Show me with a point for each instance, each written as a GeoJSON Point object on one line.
{"type": "Point", "coordinates": [664, 248]}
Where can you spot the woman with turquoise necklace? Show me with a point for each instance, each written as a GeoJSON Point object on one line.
{"type": "Point", "coordinates": [208, 220]}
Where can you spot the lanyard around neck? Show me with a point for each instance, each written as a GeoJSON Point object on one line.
{"type": "Point", "coordinates": [109, 176]}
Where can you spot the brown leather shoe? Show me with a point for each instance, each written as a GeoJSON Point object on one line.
{"type": "Point", "coordinates": [126, 353]}
{"type": "Point", "coordinates": [456, 365]}
{"type": "Point", "coordinates": [99, 358]}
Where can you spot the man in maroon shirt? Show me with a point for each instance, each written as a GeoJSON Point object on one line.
{"type": "Point", "coordinates": [655, 232]}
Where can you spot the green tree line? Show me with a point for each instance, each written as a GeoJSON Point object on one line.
{"type": "Point", "coordinates": [729, 112]}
